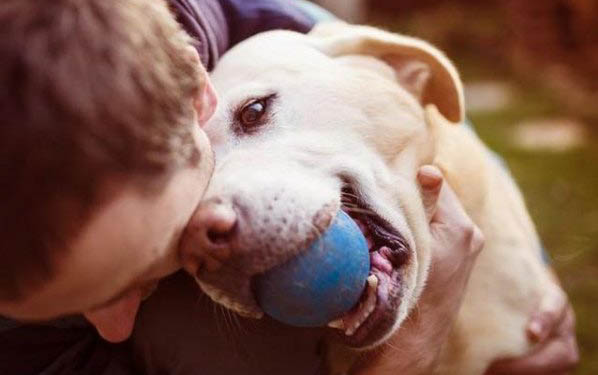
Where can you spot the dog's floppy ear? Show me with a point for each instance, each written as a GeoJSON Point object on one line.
{"type": "Point", "coordinates": [420, 68]}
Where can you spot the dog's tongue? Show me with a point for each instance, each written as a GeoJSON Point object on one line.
{"type": "Point", "coordinates": [115, 322]}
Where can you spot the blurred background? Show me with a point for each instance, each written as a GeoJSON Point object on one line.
{"type": "Point", "coordinates": [531, 75]}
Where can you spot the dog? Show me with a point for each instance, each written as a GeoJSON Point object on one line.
{"type": "Point", "coordinates": [342, 118]}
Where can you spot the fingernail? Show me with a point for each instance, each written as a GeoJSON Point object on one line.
{"type": "Point", "coordinates": [536, 330]}
{"type": "Point", "coordinates": [429, 176]}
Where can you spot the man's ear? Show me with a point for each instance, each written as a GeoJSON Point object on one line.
{"type": "Point", "coordinates": [419, 67]}
{"type": "Point", "coordinates": [206, 100]}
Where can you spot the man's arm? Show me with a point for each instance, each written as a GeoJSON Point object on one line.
{"type": "Point", "coordinates": [247, 18]}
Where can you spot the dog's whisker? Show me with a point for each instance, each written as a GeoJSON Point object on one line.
{"type": "Point", "coordinates": [361, 211]}
{"type": "Point", "coordinates": [219, 318]}
{"type": "Point", "coordinates": [318, 234]}
{"type": "Point", "coordinates": [236, 322]}
{"type": "Point", "coordinates": [240, 328]}
{"type": "Point", "coordinates": [316, 230]}
{"type": "Point", "coordinates": [223, 314]}
{"type": "Point", "coordinates": [231, 321]}
{"type": "Point", "coordinates": [231, 331]}
{"type": "Point", "coordinates": [394, 350]}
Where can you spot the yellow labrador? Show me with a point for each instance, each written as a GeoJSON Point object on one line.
{"type": "Point", "coordinates": [342, 118]}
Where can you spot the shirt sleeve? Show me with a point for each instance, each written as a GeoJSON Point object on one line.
{"type": "Point", "coordinates": [206, 22]}
{"type": "Point", "coordinates": [217, 25]}
{"type": "Point", "coordinates": [247, 18]}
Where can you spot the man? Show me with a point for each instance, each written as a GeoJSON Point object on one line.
{"type": "Point", "coordinates": [103, 162]}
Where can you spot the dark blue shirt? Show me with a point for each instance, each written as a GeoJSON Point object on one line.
{"type": "Point", "coordinates": [217, 25]}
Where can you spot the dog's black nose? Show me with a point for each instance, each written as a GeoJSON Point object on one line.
{"type": "Point", "coordinates": [209, 236]}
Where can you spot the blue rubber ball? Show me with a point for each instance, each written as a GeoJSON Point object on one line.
{"type": "Point", "coordinates": [321, 283]}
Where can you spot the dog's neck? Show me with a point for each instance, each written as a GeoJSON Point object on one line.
{"type": "Point", "coordinates": [465, 172]}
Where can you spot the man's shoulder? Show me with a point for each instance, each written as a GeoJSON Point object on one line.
{"type": "Point", "coordinates": [251, 17]}
{"type": "Point", "coordinates": [63, 346]}
{"type": "Point", "coordinates": [7, 324]}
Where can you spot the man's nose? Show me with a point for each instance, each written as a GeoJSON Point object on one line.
{"type": "Point", "coordinates": [210, 236]}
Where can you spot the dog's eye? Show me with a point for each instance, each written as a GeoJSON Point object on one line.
{"type": "Point", "coordinates": [252, 113]}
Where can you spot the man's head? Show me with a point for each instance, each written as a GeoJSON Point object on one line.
{"type": "Point", "coordinates": [102, 158]}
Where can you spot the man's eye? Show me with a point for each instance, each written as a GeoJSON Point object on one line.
{"type": "Point", "coordinates": [252, 114]}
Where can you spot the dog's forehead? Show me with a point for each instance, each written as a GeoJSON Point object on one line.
{"type": "Point", "coordinates": [269, 52]}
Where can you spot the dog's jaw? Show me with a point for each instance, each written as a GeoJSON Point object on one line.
{"type": "Point", "coordinates": [394, 294]}
{"type": "Point", "coordinates": [390, 253]}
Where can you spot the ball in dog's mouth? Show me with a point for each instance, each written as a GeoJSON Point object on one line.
{"type": "Point", "coordinates": [376, 313]}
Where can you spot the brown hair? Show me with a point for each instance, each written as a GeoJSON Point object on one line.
{"type": "Point", "coordinates": [88, 89]}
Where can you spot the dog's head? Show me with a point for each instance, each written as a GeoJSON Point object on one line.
{"type": "Point", "coordinates": [308, 125]}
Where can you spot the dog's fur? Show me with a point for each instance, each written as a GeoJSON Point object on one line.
{"type": "Point", "coordinates": [359, 104]}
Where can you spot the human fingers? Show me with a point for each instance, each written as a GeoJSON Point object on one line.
{"type": "Point", "coordinates": [452, 225]}
{"type": "Point", "coordinates": [559, 355]}
{"type": "Point", "coordinates": [552, 310]}
{"type": "Point", "coordinates": [430, 180]}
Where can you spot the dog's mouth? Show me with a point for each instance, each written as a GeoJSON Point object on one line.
{"type": "Point", "coordinates": [375, 315]}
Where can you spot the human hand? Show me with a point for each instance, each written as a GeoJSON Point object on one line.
{"type": "Point", "coordinates": [552, 327]}
{"type": "Point", "coordinates": [456, 242]}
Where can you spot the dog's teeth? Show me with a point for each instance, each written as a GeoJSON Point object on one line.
{"type": "Point", "coordinates": [338, 324]}
{"type": "Point", "coordinates": [372, 281]}
{"type": "Point", "coordinates": [363, 311]}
